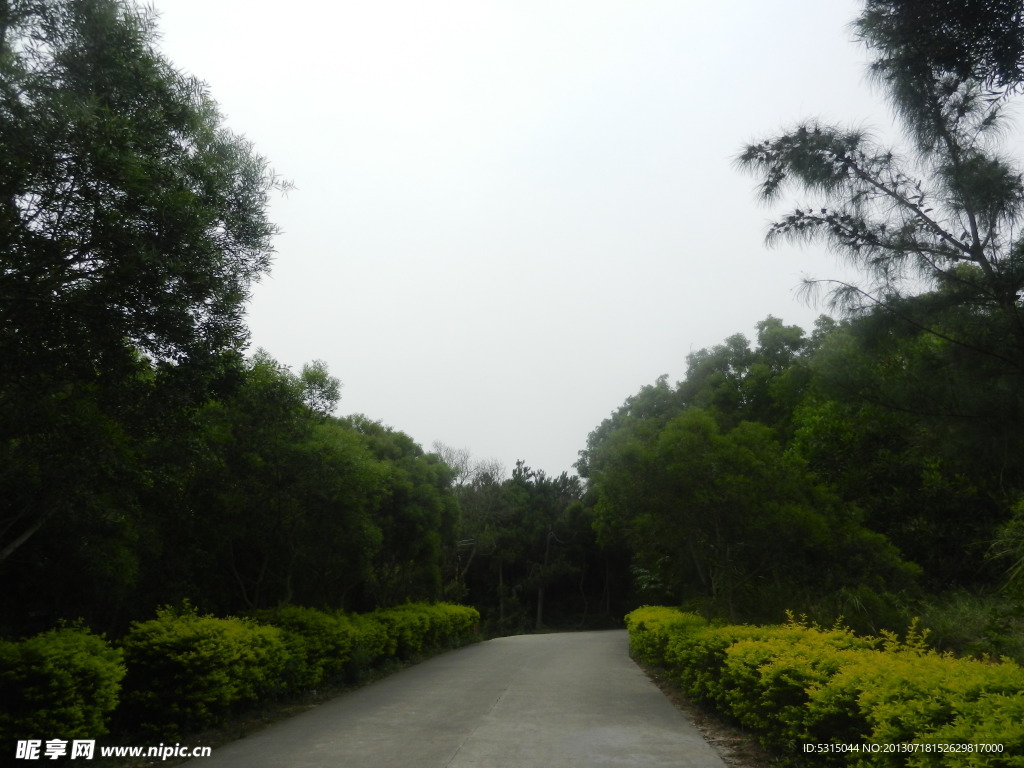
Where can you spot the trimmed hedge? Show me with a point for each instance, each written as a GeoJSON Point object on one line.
{"type": "Point", "coordinates": [62, 683]}
{"type": "Point", "coordinates": [187, 671]}
{"type": "Point", "coordinates": [795, 685]}
{"type": "Point", "coordinates": [320, 644]}
{"type": "Point", "coordinates": [416, 627]}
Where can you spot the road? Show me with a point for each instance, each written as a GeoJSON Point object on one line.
{"type": "Point", "coordinates": [569, 700]}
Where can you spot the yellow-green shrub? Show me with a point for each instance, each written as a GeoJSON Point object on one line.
{"type": "Point", "coordinates": [407, 627]}
{"type": "Point", "coordinates": [765, 683]}
{"type": "Point", "coordinates": [188, 671]}
{"type": "Point", "coordinates": [887, 697]}
{"type": "Point", "coordinates": [697, 658]}
{"type": "Point", "coordinates": [319, 644]}
{"type": "Point", "coordinates": [796, 684]}
{"type": "Point", "coordinates": [651, 626]}
{"type": "Point", "coordinates": [417, 627]}
{"type": "Point", "coordinates": [460, 623]}
{"type": "Point", "coordinates": [994, 718]}
{"type": "Point", "coordinates": [373, 643]}
{"type": "Point", "coordinates": [59, 684]}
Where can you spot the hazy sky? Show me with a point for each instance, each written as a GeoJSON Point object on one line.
{"type": "Point", "coordinates": [509, 216]}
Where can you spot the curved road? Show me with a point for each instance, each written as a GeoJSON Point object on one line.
{"type": "Point", "coordinates": [572, 700]}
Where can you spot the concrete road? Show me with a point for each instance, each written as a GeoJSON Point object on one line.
{"type": "Point", "coordinates": [573, 700]}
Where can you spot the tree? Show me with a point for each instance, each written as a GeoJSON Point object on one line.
{"type": "Point", "coordinates": [937, 327]}
{"type": "Point", "coordinates": [281, 497]}
{"type": "Point", "coordinates": [730, 521]}
{"type": "Point", "coordinates": [934, 233]}
{"type": "Point", "coordinates": [703, 487]}
{"type": "Point", "coordinates": [924, 444]}
{"type": "Point", "coordinates": [320, 391]}
{"type": "Point", "coordinates": [416, 513]}
{"type": "Point", "coordinates": [743, 384]}
{"type": "Point", "coordinates": [983, 39]}
{"type": "Point", "coordinates": [132, 225]}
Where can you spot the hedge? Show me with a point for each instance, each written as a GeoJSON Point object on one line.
{"type": "Point", "coordinates": [187, 671]}
{"type": "Point", "coordinates": [320, 644]}
{"type": "Point", "coordinates": [62, 683]}
{"type": "Point", "coordinates": [795, 684]}
{"type": "Point", "coordinates": [182, 671]}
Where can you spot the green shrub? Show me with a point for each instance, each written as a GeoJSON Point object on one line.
{"type": "Point", "coordinates": [461, 622]}
{"type": "Point", "coordinates": [765, 683]}
{"type": "Point", "coordinates": [798, 684]}
{"type": "Point", "coordinates": [697, 659]}
{"type": "Point", "coordinates": [902, 697]}
{"type": "Point", "coordinates": [407, 626]}
{"type": "Point", "coordinates": [319, 644]}
{"type": "Point", "coordinates": [650, 628]}
{"type": "Point", "coordinates": [994, 718]}
{"type": "Point", "coordinates": [373, 643]}
{"type": "Point", "coordinates": [60, 684]}
{"type": "Point", "coordinates": [188, 671]}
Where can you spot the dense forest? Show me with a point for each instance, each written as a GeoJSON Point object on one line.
{"type": "Point", "coordinates": [870, 468]}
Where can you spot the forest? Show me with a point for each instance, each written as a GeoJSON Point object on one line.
{"type": "Point", "coordinates": [869, 469]}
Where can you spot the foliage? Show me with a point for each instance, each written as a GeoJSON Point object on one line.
{"type": "Point", "coordinates": [64, 682]}
{"type": "Point", "coordinates": [974, 624]}
{"type": "Point", "coordinates": [527, 552]}
{"type": "Point", "coordinates": [285, 497]}
{"type": "Point", "coordinates": [798, 684]}
{"type": "Point", "coordinates": [719, 515]}
{"type": "Point", "coordinates": [415, 513]}
{"type": "Point", "coordinates": [319, 644]}
{"type": "Point", "coordinates": [651, 626]}
{"type": "Point", "coordinates": [982, 39]}
{"type": "Point", "coordinates": [417, 627]}
{"type": "Point", "coordinates": [935, 335]}
{"type": "Point", "coordinates": [189, 671]}
{"type": "Point", "coordinates": [951, 229]}
{"type": "Point", "coordinates": [132, 225]}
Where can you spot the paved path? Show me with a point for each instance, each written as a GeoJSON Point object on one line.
{"type": "Point", "coordinates": [573, 700]}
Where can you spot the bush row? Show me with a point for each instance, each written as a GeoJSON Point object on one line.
{"type": "Point", "coordinates": [797, 685]}
{"type": "Point", "coordinates": [184, 671]}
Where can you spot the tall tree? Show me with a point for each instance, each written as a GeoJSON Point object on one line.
{"type": "Point", "coordinates": [728, 519]}
{"type": "Point", "coordinates": [934, 233]}
{"type": "Point", "coordinates": [416, 514]}
{"type": "Point", "coordinates": [983, 39]}
{"type": "Point", "coordinates": [132, 225]}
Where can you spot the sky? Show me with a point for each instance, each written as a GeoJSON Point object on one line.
{"type": "Point", "coordinates": [509, 216]}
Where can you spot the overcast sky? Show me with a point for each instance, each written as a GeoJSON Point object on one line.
{"type": "Point", "coordinates": [510, 216]}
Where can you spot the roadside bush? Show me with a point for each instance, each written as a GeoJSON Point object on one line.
{"type": "Point", "coordinates": [765, 683]}
{"type": "Point", "coordinates": [373, 643]}
{"type": "Point", "coordinates": [797, 684]}
{"type": "Point", "coordinates": [184, 671]}
{"type": "Point", "coordinates": [697, 659]}
{"type": "Point", "coordinates": [651, 627]}
{"type": "Point", "coordinates": [407, 627]}
{"type": "Point", "coordinates": [902, 696]}
{"type": "Point", "coordinates": [319, 644]}
{"type": "Point", "coordinates": [993, 719]}
{"type": "Point", "coordinates": [461, 623]}
{"type": "Point", "coordinates": [59, 684]}
{"type": "Point", "coordinates": [417, 627]}
{"type": "Point", "coordinates": [188, 671]}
